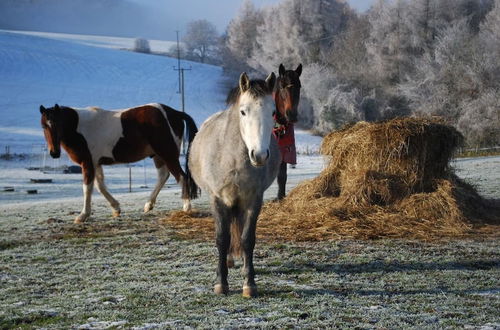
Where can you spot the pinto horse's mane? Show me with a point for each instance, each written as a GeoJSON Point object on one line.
{"type": "Point", "coordinates": [258, 88]}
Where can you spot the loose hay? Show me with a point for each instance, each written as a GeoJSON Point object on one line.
{"type": "Point", "coordinates": [386, 179]}
{"type": "Point", "coordinates": [194, 224]}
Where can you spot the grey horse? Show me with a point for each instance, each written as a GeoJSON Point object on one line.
{"type": "Point", "coordinates": [235, 158]}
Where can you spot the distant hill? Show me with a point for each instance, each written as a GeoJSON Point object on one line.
{"type": "Point", "coordinates": [36, 70]}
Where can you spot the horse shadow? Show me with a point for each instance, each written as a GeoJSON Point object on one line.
{"type": "Point", "coordinates": [382, 267]}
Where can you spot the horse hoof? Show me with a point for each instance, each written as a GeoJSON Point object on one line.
{"type": "Point", "coordinates": [221, 289]}
{"type": "Point", "coordinates": [230, 262]}
{"type": "Point", "coordinates": [249, 291]}
{"type": "Point", "coordinates": [186, 207]}
{"type": "Point", "coordinates": [148, 207]}
{"type": "Point", "coordinates": [80, 219]}
{"type": "Point", "coordinates": [116, 213]}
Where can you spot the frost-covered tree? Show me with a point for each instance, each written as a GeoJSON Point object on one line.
{"type": "Point", "coordinates": [390, 41]}
{"type": "Point", "coordinates": [348, 57]}
{"type": "Point", "coordinates": [480, 120]}
{"type": "Point", "coordinates": [241, 36]}
{"type": "Point", "coordinates": [298, 31]}
{"type": "Point", "coordinates": [333, 103]}
{"type": "Point", "coordinates": [460, 82]}
{"type": "Point", "coordinates": [403, 57]}
{"type": "Point", "coordinates": [489, 38]}
{"type": "Point", "coordinates": [441, 81]}
{"type": "Point", "coordinates": [200, 40]}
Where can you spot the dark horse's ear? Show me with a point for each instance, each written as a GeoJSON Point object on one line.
{"type": "Point", "coordinates": [244, 82]}
{"type": "Point", "coordinates": [299, 69]}
{"type": "Point", "coordinates": [270, 81]}
{"type": "Point", "coordinates": [56, 107]}
{"type": "Point", "coordinates": [42, 109]}
{"type": "Point", "coordinates": [282, 70]}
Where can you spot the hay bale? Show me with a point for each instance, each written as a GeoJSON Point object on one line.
{"type": "Point", "coordinates": [387, 161]}
{"type": "Point", "coordinates": [386, 179]}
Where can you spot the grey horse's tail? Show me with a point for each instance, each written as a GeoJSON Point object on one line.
{"type": "Point", "coordinates": [236, 227]}
{"type": "Point", "coordinates": [190, 189]}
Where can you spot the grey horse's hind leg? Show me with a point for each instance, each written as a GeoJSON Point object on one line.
{"type": "Point", "coordinates": [282, 180]}
{"type": "Point", "coordinates": [222, 216]}
{"type": "Point", "coordinates": [248, 244]}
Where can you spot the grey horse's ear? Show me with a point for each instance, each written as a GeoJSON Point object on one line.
{"type": "Point", "coordinates": [244, 82]}
{"type": "Point", "coordinates": [270, 81]}
{"type": "Point", "coordinates": [42, 109]}
{"type": "Point", "coordinates": [282, 70]}
{"type": "Point", "coordinates": [299, 69]}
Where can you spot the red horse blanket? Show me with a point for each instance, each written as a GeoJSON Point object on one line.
{"type": "Point", "coordinates": [285, 136]}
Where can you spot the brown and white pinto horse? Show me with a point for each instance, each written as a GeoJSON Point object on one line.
{"type": "Point", "coordinates": [286, 96]}
{"type": "Point", "coordinates": [93, 137]}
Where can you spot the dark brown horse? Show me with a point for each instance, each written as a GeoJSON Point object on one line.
{"type": "Point", "coordinates": [286, 96]}
{"type": "Point", "coordinates": [93, 137]}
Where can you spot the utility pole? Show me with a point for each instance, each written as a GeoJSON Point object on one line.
{"type": "Point", "coordinates": [178, 60]}
{"type": "Point", "coordinates": [181, 87]}
{"type": "Point", "coordinates": [181, 73]}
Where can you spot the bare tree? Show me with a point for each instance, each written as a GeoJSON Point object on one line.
{"type": "Point", "coordinates": [200, 40]}
{"type": "Point", "coordinates": [141, 45]}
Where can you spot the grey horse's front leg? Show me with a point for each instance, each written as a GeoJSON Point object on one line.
{"type": "Point", "coordinates": [282, 181]}
{"type": "Point", "coordinates": [248, 245]}
{"type": "Point", "coordinates": [222, 216]}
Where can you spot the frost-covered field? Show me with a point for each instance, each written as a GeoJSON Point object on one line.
{"type": "Point", "coordinates": [135, 272]}
{"type": "Point", "coordinates": [159, 46]}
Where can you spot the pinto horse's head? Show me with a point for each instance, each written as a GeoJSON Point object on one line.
{"type": "Point", "coordinates": [256, 108]}
{"type": "Point", "coordinates": [51, 124]}
{"type": "Point", "coordinates": [287, 94]}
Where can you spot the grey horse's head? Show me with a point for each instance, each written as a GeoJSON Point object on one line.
{"type": "Point", "coordinates": [256, 108]}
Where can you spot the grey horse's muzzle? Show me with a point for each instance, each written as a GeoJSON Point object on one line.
{"type": "Point", "coordinates": [259, 159]}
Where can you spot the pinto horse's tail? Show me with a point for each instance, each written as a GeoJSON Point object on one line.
{"type": "Point", "coordinates": [190, 189]}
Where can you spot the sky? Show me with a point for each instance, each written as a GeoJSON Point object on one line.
{"type": "Point", "coordinates": [151, 19]}
{"type": "Point", "coordinates": [219, 12]}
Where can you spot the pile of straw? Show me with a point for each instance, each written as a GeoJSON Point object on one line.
{"type": "Point", "coordinates": [386, 179]}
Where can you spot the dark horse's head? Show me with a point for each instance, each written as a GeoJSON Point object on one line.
{"type": "Point", "coordinates": [52, 129]}
{"type": "Point", "coordinates": [287, 94]}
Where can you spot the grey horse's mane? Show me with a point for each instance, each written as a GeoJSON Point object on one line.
{"type": "Point", "coordinates": [258, 88]}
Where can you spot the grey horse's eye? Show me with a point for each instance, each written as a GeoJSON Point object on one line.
{"type": "Point", "coordinates": [243, 113]}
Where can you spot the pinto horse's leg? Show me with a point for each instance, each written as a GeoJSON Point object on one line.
{"type": "Point", "coordinates": [163, 175]}
{"type": "Point", "coordinates": [282, 180]}
{"type": "Point", "coordinates": [99, 179]}
{"type": "Point", "coordinates": [171, 159]}
{"type": "Point", "coordinates": [88, 186]}
{"type": "Point", "coordinates": [248, 244]}
{"type": "Point", "coordinates": [222, 216]}
{"type": "Point", "coordinates": [175, 168]}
